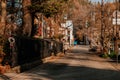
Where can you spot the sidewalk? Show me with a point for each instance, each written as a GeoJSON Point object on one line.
{"type": "Point", "coordinates": [78, 64]}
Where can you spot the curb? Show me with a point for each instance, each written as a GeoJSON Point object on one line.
{"type": "Point", "coordinates": [24, 67]}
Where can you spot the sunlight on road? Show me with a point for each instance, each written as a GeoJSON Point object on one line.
{"type": "Point", "coordinates": [72, 66]}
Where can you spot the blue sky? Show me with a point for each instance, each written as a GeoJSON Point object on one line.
{"type": "Point", "coordinates": [100, 0]}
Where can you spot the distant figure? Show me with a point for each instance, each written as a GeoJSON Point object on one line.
{"type": "Point", "coordinates": [75, 42]}
{"type": "Point", "coordinates": [65, 46]}
{"type": "Point", "coordinates": [51, 48]}
{"type": "Point", "coordinates": [55, 49]}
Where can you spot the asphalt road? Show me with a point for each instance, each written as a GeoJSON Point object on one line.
{"type": "Point", "coordinates": [77, 64]}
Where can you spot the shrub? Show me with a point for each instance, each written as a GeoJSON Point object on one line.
{"type": "Point", "coordinates": [4, 49]}
{"type": "Point", "coordinates": [112, 54]}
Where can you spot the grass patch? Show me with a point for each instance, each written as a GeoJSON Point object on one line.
{"type": "Point", "coordinates": [104, 55]}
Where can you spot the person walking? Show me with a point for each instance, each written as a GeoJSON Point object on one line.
{"type": "Point", "coordinates": [65, 46]}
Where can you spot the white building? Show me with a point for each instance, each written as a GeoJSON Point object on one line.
{"type": "Point", "coordinates": [68, 31]}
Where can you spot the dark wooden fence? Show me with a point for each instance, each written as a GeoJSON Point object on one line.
{"type": "Point", "coordinates": [29, 50]}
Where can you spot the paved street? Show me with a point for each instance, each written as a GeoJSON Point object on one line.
{"type": "Point", "coordinates": [78, 64]}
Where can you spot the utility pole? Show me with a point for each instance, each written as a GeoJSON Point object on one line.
{"type": "Point", "coordinates": [116, 32]}
{"type": "Point", "coordinates": [42, 26]}
{"type": "Point", "coordinates": [102, 27]}
{"type": "Point", "coordinates": [118, 8]}
{"type": "Point", "coordinates": [116, 36]}
{"type": "Point", "coordinates": [119, 5]}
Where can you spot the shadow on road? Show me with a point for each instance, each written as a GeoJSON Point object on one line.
{"type": "Point", "coordinates": [4, 77]}
{"type": "Point", "coordinates": [60, 71]}
{"type": "Point", "coordinates": [64, 71]}
{"type": "Point", "coordinates": [67, 68]}
{"type": "Point", "coordinates": [78, 51]}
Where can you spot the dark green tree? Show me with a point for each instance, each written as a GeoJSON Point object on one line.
{"type": "Point", "coordinates": [48, 8]}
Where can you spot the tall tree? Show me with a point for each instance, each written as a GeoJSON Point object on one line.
{"type": "Point", "coordinates": [3, 16]}
{"type": "Point", "coordinates": [27, 20]}
{"type": "Point", "coordinates": [52, 9]}
{"type": "Point", "coordinates": [49, 8]}
{"type": "Point", "coordinates": [79, 10]}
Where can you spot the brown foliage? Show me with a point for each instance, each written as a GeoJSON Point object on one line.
{"type": "Point", "coordinates": [4, 69]}
{"type": "Point", "coordinates": [78, 12]}
{"type": "Point", "coordinates": [27, 20]}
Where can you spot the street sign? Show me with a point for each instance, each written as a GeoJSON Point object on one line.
{"type": "Point", "coordinates": [116, 21]}
{"type": "Point", "coordinates": [69, 23]}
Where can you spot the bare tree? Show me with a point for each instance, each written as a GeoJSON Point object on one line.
{"type": "Point", "coordinates": [79, 10]}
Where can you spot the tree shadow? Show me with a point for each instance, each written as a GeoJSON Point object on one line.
{"type": "Point", "coordinates": [73, 57]}
{"type": "Point", "coordinates": [62, 71]}
{"type": "Point", "coordinates": [77, 51]}
{"type": "Point", "coordinates": [4, 77]}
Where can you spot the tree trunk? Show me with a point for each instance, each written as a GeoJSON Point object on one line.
{"type": "Point", "coordinates": [27, 20]}
{"type": "Point", "coordinates": [3, 17]}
